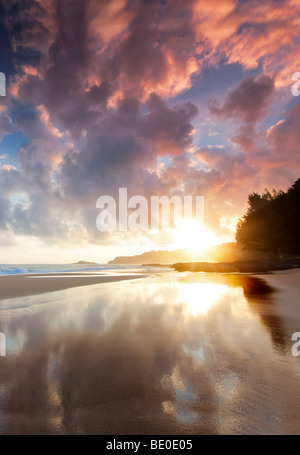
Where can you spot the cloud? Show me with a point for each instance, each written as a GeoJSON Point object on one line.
{"type": "Point", "coordinates": [123, 143]}
{"type": "Point", "coordinates": [252, 33]}
{"type": "Point", "coordinates": [284, 136]}
{"type": "Point", "coordinates": [247, 102]}
{"type": "Point", "coordinates": [101, 94]}
{"type": "Point", "coordinates": [8, 167]}
{"type": "Point", "coordinates": [6, 126]}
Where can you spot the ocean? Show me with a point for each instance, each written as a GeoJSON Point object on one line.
{"type": "Point", "coordinates": [20, 269]}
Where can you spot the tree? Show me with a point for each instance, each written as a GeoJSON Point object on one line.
{"type": "Point", "coordinates": [272, 221]}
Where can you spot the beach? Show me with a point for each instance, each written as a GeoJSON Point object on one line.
{"type": "Point", "coordinates": [25, 285]}
{"type": "Point", "coordinates": [168, 353]}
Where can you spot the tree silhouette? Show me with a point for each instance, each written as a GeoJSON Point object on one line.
{"type": "Point", "coordinates": [272, 221]}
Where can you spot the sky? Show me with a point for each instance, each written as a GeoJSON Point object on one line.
{"type": "Point", "coordinates": [162, 98]}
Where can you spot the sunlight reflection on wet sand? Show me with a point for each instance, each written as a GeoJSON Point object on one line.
{"type": "Point", "coordinates": [171, 354]}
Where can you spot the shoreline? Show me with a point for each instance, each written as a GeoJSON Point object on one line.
{"type": "Point", "coordinates": [23, 285]}
{"type": "Point", "coordinates": [264, 266]}
{"type": "Point", "coordinates": [14, 286]}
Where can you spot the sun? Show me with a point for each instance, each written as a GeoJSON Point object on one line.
{"type": "Point", "coordinates": [191, 235]}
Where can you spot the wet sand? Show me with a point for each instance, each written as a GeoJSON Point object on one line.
{"type": "Point", "coordinates": [173, 354]}
{"type": "Point", "coordinates": [13, 286]}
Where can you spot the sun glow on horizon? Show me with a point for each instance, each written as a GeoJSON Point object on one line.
{"type": "Point", "coordinates": [191, 235]}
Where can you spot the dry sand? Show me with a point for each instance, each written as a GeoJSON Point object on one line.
{"type": "Point", "coordinates": [12, 286]}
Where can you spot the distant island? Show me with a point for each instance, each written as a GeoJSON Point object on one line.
{"type": "Point", "coordinates": [86, 263]}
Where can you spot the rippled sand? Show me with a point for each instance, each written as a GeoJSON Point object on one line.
{"type": "Point", "coordinates": [166, 354]}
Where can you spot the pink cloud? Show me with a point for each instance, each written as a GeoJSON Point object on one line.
{"type": "Point", "coordinates": [101, 115]}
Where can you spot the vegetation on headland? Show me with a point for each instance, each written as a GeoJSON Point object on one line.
{"type": "Point", "coordinates": [262, 266]}
{"type": "Point", "coordinates": [216, 253]}
{"type": "Point", "coordinates": [272, 222]}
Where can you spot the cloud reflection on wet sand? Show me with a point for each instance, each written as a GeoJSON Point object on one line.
{"type": "Point", "coordinates": [196, 354]}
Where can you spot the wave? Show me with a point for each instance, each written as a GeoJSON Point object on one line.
{"type": "Point", "coordinates": [20, 269]}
